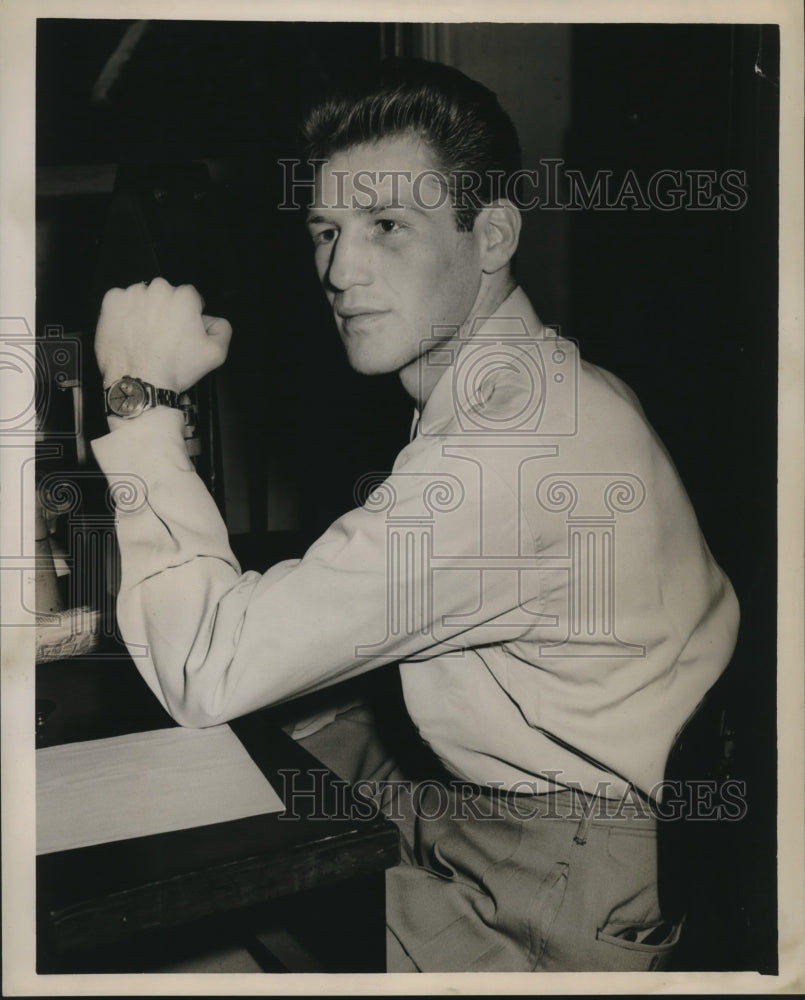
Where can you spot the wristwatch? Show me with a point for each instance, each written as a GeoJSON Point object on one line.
{"type": "Point", "coordinates": [129, 397]}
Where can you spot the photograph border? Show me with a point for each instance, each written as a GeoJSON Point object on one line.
{"type": "Point", "coordinates": [17, 298]}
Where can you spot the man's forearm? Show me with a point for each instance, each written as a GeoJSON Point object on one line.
{"type": "Point", "coordinates": [162, 606]}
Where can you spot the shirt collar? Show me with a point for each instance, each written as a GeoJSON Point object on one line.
{"type": "Point", "coordinates": [514, 315]}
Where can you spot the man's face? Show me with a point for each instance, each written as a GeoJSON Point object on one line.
{"type": "Point", "coordinates": [394, 266]}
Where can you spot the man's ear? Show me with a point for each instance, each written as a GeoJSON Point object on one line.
{"type": "Point", "coordinates": [498, 228]}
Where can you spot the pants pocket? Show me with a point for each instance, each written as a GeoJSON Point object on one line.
{"type": "Point", "coordinates": [545, 908]}
{"type": "Point", "coordinates": [632, 935]}
{"type": "Point", "coordinates": [637, 949]}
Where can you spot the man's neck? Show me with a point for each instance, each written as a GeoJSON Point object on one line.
{"type": "Point", "coordinates": [419, 378]}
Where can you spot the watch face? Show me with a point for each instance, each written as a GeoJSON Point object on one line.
{"type": "Point", "coordinates": [127, 397]}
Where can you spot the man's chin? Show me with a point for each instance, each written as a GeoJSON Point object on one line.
{"type": "Point", "coordinates": [367, 368]}
{"type": "Point", "coordinates": [366, 363]}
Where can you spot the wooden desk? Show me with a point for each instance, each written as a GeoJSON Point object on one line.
{"type": "Point", "coordinates": [120, 906]}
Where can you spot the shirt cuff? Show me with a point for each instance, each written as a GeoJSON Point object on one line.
{"type": "Point", "coordinates": [150, 445]}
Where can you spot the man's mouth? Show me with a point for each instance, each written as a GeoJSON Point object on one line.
{"type": "Point", "coordinates": [360, 320]}
{"type": "Point", "coordinates": [356, 311]}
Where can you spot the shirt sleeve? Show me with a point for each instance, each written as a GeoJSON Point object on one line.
{"type": "Point", "coordinates": [394, 579]}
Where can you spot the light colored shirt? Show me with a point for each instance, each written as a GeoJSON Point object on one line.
{"type": "Point", "coordinates": [532, 561]}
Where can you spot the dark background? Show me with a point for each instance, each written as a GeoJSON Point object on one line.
{"type": "Point", "coordinates": [681, 305]}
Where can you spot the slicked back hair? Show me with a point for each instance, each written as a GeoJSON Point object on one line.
{"type": "Point", "coordinates": [473, 140]}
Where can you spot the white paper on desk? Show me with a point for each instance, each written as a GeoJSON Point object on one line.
{"type": "Point", "coordinates": [145, 783]}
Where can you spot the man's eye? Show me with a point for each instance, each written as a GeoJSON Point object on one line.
{"type": "Point", "coordinates": [389, 225]}
{"type": "Point", "coordinates": [323, 236]}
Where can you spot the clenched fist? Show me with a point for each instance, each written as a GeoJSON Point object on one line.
{"type": "Point", "coordinates": [158, 333]}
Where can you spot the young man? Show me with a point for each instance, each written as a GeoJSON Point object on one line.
{"type": "Point", "coordinates": [532, 562]}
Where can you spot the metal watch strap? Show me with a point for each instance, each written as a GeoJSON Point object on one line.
{"type": "Point", "coordinates": [166, 397]}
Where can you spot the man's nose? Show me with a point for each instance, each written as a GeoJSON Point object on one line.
{"type": "Point", "coordinates": [349, 262]}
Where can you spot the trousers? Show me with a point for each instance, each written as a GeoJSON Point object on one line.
{"type": "Point", "coordinates": [495, 882]}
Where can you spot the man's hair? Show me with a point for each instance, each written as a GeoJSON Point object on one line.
{"type": "Point", "coordinates": [472, 137]}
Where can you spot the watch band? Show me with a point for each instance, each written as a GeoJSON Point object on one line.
{"type": "Point", "coordinates": [165, 397]}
